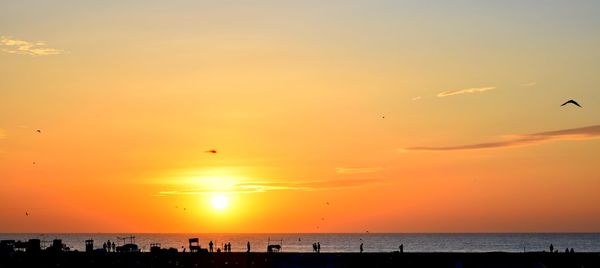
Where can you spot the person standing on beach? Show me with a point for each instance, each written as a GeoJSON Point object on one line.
{"type": "Point", "coordinates": [210, 246]}
{"type": "Point", "coordinates": [551, 248]}
{"type": "Point", "coordinates": [104, 246]}
{"type": "Point", "coordinates": [361, 247]}
{"type": "Point", "coordinates": [401, 248]}
{"type": "Point", "coordinates": [318, 247]}
{"type": "Point", "coordinates": [114, 247]}
{"type": "Point", "coordinates": [248, 246]}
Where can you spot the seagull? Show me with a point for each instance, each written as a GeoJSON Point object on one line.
{"type": "Point", "coordinates": [212, 151]}
{"type": "Point", "coordinates": [571, 102]}
{"type": "Point", "coordinates": [39, 131]}
{"type": "Point", "coordinates": [26, 214]}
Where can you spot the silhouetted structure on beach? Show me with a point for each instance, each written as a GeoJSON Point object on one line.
{"type": "Point", "coordinates": [154, 247]}
{"type": "Point", "coordinates": [129, 247]}
{"type": "Point", "coordinates": [194, 244]}
{"type": "Point", "coordinates": [89, 245]}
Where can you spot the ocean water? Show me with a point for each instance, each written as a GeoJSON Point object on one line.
{"type": "Point", "coordinates": [373, 242]}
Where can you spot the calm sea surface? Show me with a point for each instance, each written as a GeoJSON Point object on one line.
{"type": "Point", "coordinates": [374, 242]}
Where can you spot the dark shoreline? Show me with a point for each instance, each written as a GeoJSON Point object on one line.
{"type": "Point", "coordinates": [285, 259]}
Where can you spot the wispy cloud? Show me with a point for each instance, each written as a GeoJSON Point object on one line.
{"type": "Point", "coordinates": [416, 98]}
{"type": "Point", "coordinates": [265, 186]}
{"type": "Point", "coordinates": [583, 133]}
{"type": "Point", "coordinates": [530, 84]}
{"type": "Point", "coordinates": [464, 91]}
{"type": "Point", "coordinates": [357, 170]}
{"type": "Point", "coordinates": [16, 46]}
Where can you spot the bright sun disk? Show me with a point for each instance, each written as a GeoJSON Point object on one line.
{"type": "Point", "coordinates": [220, 202]}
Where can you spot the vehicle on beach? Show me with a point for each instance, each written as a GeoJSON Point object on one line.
{"type": "Point", "coordinates": [128, 247]}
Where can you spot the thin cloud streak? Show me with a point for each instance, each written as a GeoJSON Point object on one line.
{"type": "Point", "coordinates": [464, 91]}
{"type": "Point", "coordinates": [416, 98]}
{"type": "Point", "coordinates": [264, 186]}
{"type": "Point", "coordinates": [22, 47]}
{"type": "Point", "coordinates": [359, 170]}
{"type": "Point", "coordinates": [530, 84]}
{"type": "Point", "coordinates": [583, 133]}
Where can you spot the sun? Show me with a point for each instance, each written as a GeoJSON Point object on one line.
{"type": "Point", "coordinates": [220, 202]}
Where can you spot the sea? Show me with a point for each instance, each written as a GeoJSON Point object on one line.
{"type": "Point", "coordinates": [336, 242]}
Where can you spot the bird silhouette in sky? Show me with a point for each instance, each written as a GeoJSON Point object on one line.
{"type": "Point", "coordinates": [26, 214]}
{"type": "Point", "coordinates": [571, 102]}
{"type": "Point", "coordinates": [212, 151]}
{"type": "Point", "coordinates": [39, 131]}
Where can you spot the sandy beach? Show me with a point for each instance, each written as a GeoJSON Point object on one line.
{"type": "Point", "coordinates": [165, 259]}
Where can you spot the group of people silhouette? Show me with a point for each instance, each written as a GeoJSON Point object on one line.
{"type": "Point", "coordinates": [316, 247]}
{"type": "Point", "coordinates": [226, 247]}
{"type": "Point", "coordinates": [552, 250]}
{"type": "Point", "coordinates": [109, 247]}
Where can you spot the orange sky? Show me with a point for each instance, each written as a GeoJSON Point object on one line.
{"type": "Point", "coordinates": [128, 97]}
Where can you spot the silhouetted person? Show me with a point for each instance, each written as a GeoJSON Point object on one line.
{"type": "Point", "coordinates": [567, 250]}
{"type": "Point", "coordinates": [318, 247]}
{"type": "Point", "coordinates": [314, 247]}
{"type": "Point", "coordinates": [114, 247]}
{"type": "Point", "coordinates": [572, 251]}
{"type": "Point", "coordinates": [210, 246]}
{"type": "Point", "coordinates": [361, 248]}
{"type": "Point", "coordinates": [183, 249]}
{"type": "Point", "coordinates": [551, 248]}
{"type": "Point", "coordinates": [401, 248]}
{"type": "Point", "coordinates": [104, 246]}
{"type": "Point", "coordinates": [248, 246]}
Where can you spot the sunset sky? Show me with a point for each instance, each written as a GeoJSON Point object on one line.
{"type": "Point", "coordinates": [327, 116]}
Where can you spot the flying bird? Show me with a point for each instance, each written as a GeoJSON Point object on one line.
{"type": "Point", "coordinates": [39, 131]}
{"type": "Point", "coordinates": [26, 214]}
{"type": "Point", "coordinates": [571, 102]}
{"type": "Point", "coordinates": [212, 151]}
